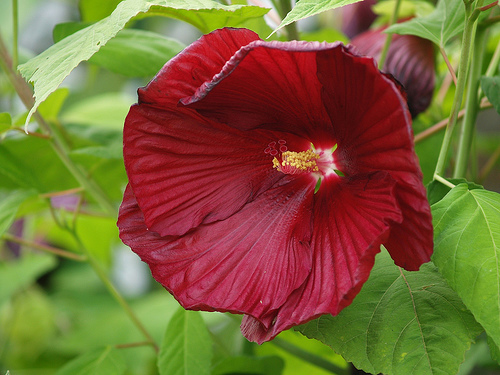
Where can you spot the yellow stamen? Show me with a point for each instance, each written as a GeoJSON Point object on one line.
{"type": "Point", "coordinates": [297, 162]}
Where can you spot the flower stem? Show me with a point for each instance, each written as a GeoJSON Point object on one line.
{"type": "Point", "coordinates": [448, 64]}
{"type": "Point", "coordinates": [457, 101]}
{"type": "Point", "coordinates": [471, 106]}
{"type": "Point", "coordinates": [309, 357]}
{"type": "Point", "coordinates": [291, 29]}
{"type": "Point", "coordinates": [388, 39]}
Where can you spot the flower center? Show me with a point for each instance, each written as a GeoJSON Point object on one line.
{"type": "Point", "coordinates": [318, 162]}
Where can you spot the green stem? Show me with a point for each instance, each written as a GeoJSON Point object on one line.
{"type": "Point", "coordinates": [114, 292]}
{"type": "Point", "coordinates": [309, 357]}
{"type": "Point", "coordinates": [444, 181]}
{"type": "Point", "coordinates": [459, 92]}
{"type": "Point", "coordinates": [388, 39]}
{"type": "Point", "coordinates": [57, 141]}
{"type": "Point", "coordinates": [291, 29]}
{"type": "Point", "coordinates": [15, 33]}
{"type": "Point", "coordinates": [471, 106]}
{"type": "Point", "coordinates": [46, 248]}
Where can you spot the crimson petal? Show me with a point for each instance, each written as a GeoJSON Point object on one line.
{"type": "Point", "coordinates": [248, 263]}
{"type": "Point", "coordinates": [269, 85]}
{"type": "Point", "coordinates": [374, 133]}
{"type": "Point", "coordinates": [167, 148]}
{"type": "Point", "coordinates": [345, 241]}
{"type": "Point", "coordinates": [198, 63]}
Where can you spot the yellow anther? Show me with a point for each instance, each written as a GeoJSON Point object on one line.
{"type": "Point", "coordinates": [297, 162]}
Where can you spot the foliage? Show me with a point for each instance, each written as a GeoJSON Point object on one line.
{"type": "Point", "coordinates": [74, 300]}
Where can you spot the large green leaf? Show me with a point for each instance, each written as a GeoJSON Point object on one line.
{"type": "Point", "coordinates": [307, 8]}
{"type": "Point", "coordinates": [49, 69]}
{"type": "Point", "coordinates": [400, 323]}
{"type": "Point", "coordinates": [20, 273]}
{"type": "Point", "coordinates": [102, 361]}
{"type": "Point", "coordinates": [132, 53]}
{"type": "Point", "coordinates": [467, 251]}
{"type": "Point", "coordinates": [447, 20]}
{"type": "Point", "coordinates": [187, 347]}
{"type": "Point", "coordinates": [491, 87]}
{"type": "Point", "coordinates": [437, 190]}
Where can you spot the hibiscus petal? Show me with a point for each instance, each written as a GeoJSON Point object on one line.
{"type": "Point", "coordinates": [248, 263]}
{"type": "Point", "coordinates": [199, 62]}
{"type": "Point", "coordinates": [271, 85]}
{"type": "Point", "coordinates": [373, 129]}
{"type": "Point", "coordinates": [186, 171]}
{"type": "Point", "coordinates": [345, 240]}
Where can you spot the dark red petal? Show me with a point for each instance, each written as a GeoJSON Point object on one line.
{"type": "Point", "coordinates": [357, 17]}
{"type": "Point", "coordinates": [198, 63]}
{"type": "Point", "coordinates": [271, 85]}
{"type": "Point", "coordinates": [373, 129]}
{"type": "Point", "coordinates": [186, 171]}
{"type": "Point", "coordinates": [410, 60]}
{"type": "Point", "coordinates": [248, 263]}
{"type": "Point", "coordinates": [346, 238]}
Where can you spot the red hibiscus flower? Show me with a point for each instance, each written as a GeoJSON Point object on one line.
{"type": "Point", "coordinates": [264, 176]}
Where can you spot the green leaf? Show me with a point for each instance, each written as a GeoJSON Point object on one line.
{"type": "Point", "coordinates": [47, 70]}
{"type": "Point", "coordinates": [268, 365]}
{"type": "Point", "coordinates": [491, 87]}
{"type": "Point", "coordinates": [187, 347]}
{"type": "Point", "coordinates": [102, 361]}
{"type": "Point", "coordinates": [437, 190]}
{"type": "Point", "coordinates": [132, 53]}
{"type": "Point", "coordinates": [207, 15]}
{"type": "Point", "coordinates": [444, 23]}
{"type": "Point", "coordinates": [95, 10]}
{"type": "Point", "coordinates": [20, 273]}
{"type": "Point", "coordinates": [9, 205]}
{"type": "Point", "coordinates": [467, 249]}
{"type": "Point", "coordinates": [399, 323]}
{"type": "Point", "coordinates": [308, 8]}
